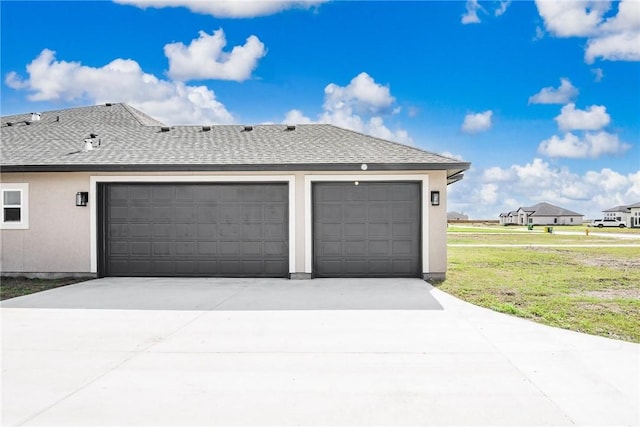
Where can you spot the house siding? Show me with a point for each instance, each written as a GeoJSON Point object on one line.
{"type": "Point", "coordinates": [59, 238]}
{"type": "Point", "coordinates": [556, 220]}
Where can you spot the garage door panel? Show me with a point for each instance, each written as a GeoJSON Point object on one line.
{"type": "Point", "coordinates": [195, 229]}
{"type": "Point", "coordinates": [372, 229]}
{"type": "Point", "coordinates": [402, 266]}
{"type": "Point", "coordinates": [162, 248]}
{"type": "Point", "coordinates": [118, 248]}
{"type": "Point", "coordinates": [181, 231]}
{"type": "Point", "coordinates": [378, 211]}
{"type": "Point", "coordinates": [275, 249]}
{"type": "Point", "coordinates": [378, 247]}
{"type": "Point", "coordinates": [207, 248]}
{"type": "Point", "coordinates": [252, 231]}
{"type": "Point", "coordinates": [229, 231]}
{"type": "Point", "coordinates": [118, 214]}
{"type": "Point", "coordinates": [138, 194]}
{"type": "Point", "coordinates": [355, 248]}
{"type": "Point", "coordinates": [273, 231]}
{"type": "Point", "coordinates": [140, 249]}
{"type": "Point", "coordinates": [378, 266]}
{"type": "Point", "coordinates": [163, 194]}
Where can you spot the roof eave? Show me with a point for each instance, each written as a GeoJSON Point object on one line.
{"type": "Point", "coordinates": [454, 169]}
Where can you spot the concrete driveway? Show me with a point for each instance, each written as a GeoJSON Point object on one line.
{"type": "Point", "coordinates": [277, 352]}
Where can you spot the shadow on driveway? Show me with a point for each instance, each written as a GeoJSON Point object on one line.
{"type": "Point", "coordinates": [220, 294]}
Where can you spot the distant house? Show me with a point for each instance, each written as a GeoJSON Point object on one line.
{"type": "Point", "coordinates": [634, 215]}
{"type": "Point", "coordinates": [541, 214]}
{"type": "Point", "coordinates": [619, 213]}
{"type": "Point", "coordinates": [629, 214]}
{"type": "Point", "coordinates": [456, 216]}
{"type": "Point", "coordinates": [509, 218]}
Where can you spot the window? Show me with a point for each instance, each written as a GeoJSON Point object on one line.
{"type": "Point", "coordinates": [15, 206]}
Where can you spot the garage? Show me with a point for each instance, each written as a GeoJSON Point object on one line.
{"type": "Point", "coordinates": [366, 229]}
{"type": "Point", "coordinates": [193, 229]}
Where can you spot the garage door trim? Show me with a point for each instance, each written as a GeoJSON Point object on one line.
{"type": "Point", "coordinates": [308, 220]}
{"type": "Point", "coordinates": [246, 179]}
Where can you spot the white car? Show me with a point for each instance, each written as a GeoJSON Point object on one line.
{"type": "Point", "coordinates": [607, 223]}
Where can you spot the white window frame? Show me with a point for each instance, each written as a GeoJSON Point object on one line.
{"type": "Point", "coordinates": [23, 224]}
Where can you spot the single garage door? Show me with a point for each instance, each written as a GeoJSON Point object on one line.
{"type": "Point", "coordinates": [366, 230]}
{"type": "Point", "coordinates": [236, 230]}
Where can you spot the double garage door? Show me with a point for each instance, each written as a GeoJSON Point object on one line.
{"type": "Point", "coordinates": [242, 230]}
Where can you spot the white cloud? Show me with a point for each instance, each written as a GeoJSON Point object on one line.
{"type": "Point", "coordinates": [452, 155]}
{"type": "Point", "coordinates": [496, 174]}
{"type": "Point", "coordinates": [204, 58]}
{"type": "Point", "coordinates": [488, 193]}
{"type": "Point", "coordinates": [538, 181]}
{"type": "Point", "coordinates": [593, 118]}
{"type": "Point", "coordinates": [598, 74]}
{"type": "Point", "coordinates": [615, 38]}
{"type": "Point", "coordinates": [296, 117]}
{"type": "Point", "coordinates": [471, 16]}
{"type": "Point", "coordinates": [572, 18]}
{"type": "Point", "coordinates": [548, 95]}
{"type": "Point", "coordinates": [624, 46]}
{"type": "Point", "coordinates": [359, 106]}
{"type": "Point", "coordinates": [362, 94]}
{"type": "Point", "coordinates": [122, 80]}
{"type": "Point", "coordinates": [502, 8]}
{"type": "Point", "coordinates": [477, 122]}
{"type": "Point", "coordinates": [592, 145]}
{"type": "Point", "coordinates": [228, 8]}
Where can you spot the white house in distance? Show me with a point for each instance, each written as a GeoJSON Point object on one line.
{"type": "Point", "coordinates": [634, 215]}
{"type": "Point", "coordinates": [108, 191]}
{"type": "Point", "coordinates": [541, 214]}
{"type": "Point", "coordinates": [629, 214]}
{"type": "Point", "coordinates": [457, 216]}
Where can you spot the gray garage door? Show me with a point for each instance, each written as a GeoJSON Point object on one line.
{"type": "Point", "coordinates": [366, 230]}
{"type": "Point", "coordinates": [194, 230]}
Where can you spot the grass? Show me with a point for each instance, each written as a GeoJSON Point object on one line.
{"type": "Point", "coordinates": [12, 287]}
{"type": "Point", "coordinates": [533, 238]}
{"type": "Point", "coordinates": [593, 290]}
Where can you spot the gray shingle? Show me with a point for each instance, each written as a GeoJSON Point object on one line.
{"type": "Point", "coordinates": [547, 209]}
{"type": "Point", "coordinates": [130, 137]}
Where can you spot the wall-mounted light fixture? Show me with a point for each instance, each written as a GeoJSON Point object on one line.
{"type": "Point", "coordinates": [82, 198]}
{"type": "Point", "coordinates": [435, 198]}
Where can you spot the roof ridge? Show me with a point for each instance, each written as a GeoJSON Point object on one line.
{"type": "Point", "coordinates": [137, 115]}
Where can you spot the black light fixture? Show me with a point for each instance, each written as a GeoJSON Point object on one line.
{"type": "Point", "coordinates": [435, 198]}
{"type": "Point", "coordinates": [82, 198]}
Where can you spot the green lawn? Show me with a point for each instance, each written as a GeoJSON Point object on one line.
{"type": "Point", "coordinates": [11, 287]}
{"type": "Point", "coordinates": [593, 290]}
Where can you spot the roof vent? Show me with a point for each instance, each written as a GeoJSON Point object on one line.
{"type": "Point", "coordinates": [165, 129]}
{"type": "Point", "coordinates": [108, 104]}
{"type": "Point", "coordinates": [88, 145]}
{"type": "Point", "coordinates": [93, 135]}
{"type": "Point", "coordinates": [9, 124]}
{"type": "Point", "coordinates": [206, 128]}
{"type": "Point", "coordinates": [35, 117]}
{"type": "Point", "coordinates": [291, 127]}
{"type": "Point", "coordinates": [248, 128]}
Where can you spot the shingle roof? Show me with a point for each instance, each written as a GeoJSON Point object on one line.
{"type": "Point", "coordinates": [620, 208]}
{"type": "Point", "coordinates": [131, 140]}
{"type": "Point", "coordinates": [547, 209]}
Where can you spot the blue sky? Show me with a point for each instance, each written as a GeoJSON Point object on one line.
{"type": "Point", "coordinates": [542, 97]}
